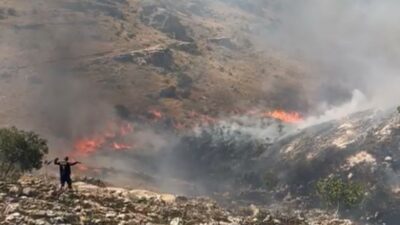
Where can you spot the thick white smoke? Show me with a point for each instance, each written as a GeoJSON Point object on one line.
{"type": "Point", "coordinates": [354, 44]}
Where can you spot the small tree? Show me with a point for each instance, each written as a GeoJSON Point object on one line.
{"type": "Point", "coordinates": [20, 151]}
{"type": "Point", "coordinates": [335, 191]}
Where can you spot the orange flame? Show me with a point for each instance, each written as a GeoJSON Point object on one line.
{"type": "Point", "coordinates": [155, 114]}
{"type": "Point", "coordinates": [119, 146]}
{"type": "Point", "coordinates": [86, 146]}
{"type": "Point", "coordinates": [288, 117]}
{"type": "Point", "coordinates": [89, 145]}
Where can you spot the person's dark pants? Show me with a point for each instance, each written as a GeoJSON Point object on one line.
{"type": "Point", "coordinates": [66, 179]}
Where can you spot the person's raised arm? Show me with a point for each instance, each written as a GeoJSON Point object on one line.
{"type": "Point", "coordinates": [56, 162]}
{"type": "Point", "coordinates": [74, 163]}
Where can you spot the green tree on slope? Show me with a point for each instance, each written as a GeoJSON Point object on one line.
{"type": "Point", "coordinates": [20, 151]}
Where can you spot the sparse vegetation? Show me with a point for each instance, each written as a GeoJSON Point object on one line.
{"type": "Point", "coordinates": [20, 151]}
{"type": "Point", "coordinates": [336, 191]}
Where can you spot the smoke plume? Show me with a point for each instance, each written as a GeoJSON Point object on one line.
{"type": "Point", "coordinates": [352, 44]}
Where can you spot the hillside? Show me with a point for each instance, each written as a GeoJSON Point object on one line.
{"type": "Point", "coordinates": [36, 201]}
{"type": "Point", "coordinates": [359, 148]}
{"type": "Point", "coordinates": [175, 57]}
{"type": "Point", "coordinates": [109, 81]}
{"type": "Point", "coordinates": [237, 100]}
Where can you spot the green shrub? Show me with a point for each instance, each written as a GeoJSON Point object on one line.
{"type": "Point", "coordinates": [354, 194]}
{"type": "Point", "coordinates": [336, 191]}
{"type": "Point", "coordinates": [20, 151]}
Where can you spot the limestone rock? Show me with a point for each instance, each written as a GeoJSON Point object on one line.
{"type": "Point", "coordinates": [93, 204]}
{"type": "Point", "coordinates": [157, 56]}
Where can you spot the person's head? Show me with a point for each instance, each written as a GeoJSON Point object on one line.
{"type": "Point", "coordinates": [66, 158]}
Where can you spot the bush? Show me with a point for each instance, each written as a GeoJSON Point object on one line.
{"type": "Point", "coordinates": [335, 191]}
{"type": "Point", "coordinates": [270, 180]}
{"type": "Point", "coordinates": [20, 151]}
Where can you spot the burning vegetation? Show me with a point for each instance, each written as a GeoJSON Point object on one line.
{"type": "Point", "coordinates": [111, 138]}
{"type": "Point", "coordinates": [118, 136]}
{"type": "Point", "coordinates": [287, 117]}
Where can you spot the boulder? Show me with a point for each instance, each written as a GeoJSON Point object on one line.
{"type": "Point", "coordinates": [28, 191]}
{"type": "Point", "coordinates": [157, 56]}
{"type": "Point", "coordinates": [189, 47]}
{"type": "Point", "coordinates": [13, 217]}
{"type": "Point", "coordinates": [169, 92]}
{"type": "Point", "coordinates": [15, 190]}
{"type": "Point", "coordinates": [176, 221]}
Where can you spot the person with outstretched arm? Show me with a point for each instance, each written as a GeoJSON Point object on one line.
{"type": "Point", "coordinates": [65, 171]}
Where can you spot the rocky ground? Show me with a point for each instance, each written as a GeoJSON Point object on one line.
{"type": "Point", "coordinates": [362, 147]}
{"type": "Point", "coordinates": [35, 200]}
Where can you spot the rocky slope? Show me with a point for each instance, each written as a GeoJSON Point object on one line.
{"type": "Point", "coordinates": [173, 56]}
{"type": "Point", "coordinates": [362, 147]}
{"type": "Point", "coordinates": [34, 200]}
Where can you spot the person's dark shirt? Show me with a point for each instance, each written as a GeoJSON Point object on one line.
{"type": "Point", "coordinates": [65, 167]}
